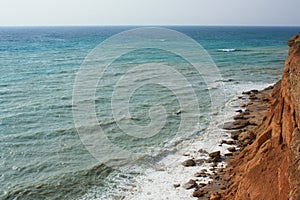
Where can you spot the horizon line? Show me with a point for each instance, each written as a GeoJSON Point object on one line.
{"type": "Point", "coordinates": [142, 25]}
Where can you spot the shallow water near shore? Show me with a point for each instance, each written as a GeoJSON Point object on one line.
{"type": "Point", "coordinates": [41, 153]}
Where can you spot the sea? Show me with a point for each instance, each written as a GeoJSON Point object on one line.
{"type": "Point", "coordinates": [143, 102]}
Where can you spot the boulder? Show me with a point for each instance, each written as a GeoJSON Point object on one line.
{"type": "Point", "coordinates": [231, 149]}
{"type": "Point", "coordinates": [189, 163]}
{"type": "Point", "coordinates": [190, 184]}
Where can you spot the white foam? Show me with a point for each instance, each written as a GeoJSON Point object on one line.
{"type": "Point", "coordinates": [158, 184]}
{"type": "Point", "coordinates": [157, 181]}
{"type": "Point", "coordinates": [227, 50]}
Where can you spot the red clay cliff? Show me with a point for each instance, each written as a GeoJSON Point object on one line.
{"type": "Point", "coordinates": [269, 168]}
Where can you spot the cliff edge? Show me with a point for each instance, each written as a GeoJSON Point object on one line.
{"type": "Point", "coordinates": [269, 168]}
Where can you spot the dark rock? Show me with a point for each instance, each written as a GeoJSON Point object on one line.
{"type": "Point", "coordinates": [200, 174]}
{"type": "Point", "coordinates": [250, 92]}
{"type": "Point", "coordinates": [215, 154]}
{"type": "Point", "coordinates": [189, 185]}
{"type": "Point", "coordinates": [246, 92]}
{"type": "Point", "coordinates": [189, 163]}
{"type": "Point", "coordinates": [228, 154]}
{"type": "Point", "coordinates": [176, 185]}
{"type": "Point", "coordinates": [231, 149]}
{"type": "Point", "coordinates": [198, 192]}
{"type": "Point", "coordinates": [202, 184]}
{"type": "Point", "coordinates": [266, 99]}
{"type": "Point", "coordinates": [235, 134]}
{"type": "Point", "coordinates": [247, 112]}
{"type": "Point", "coordinates": [270, 87]}
{"type": "Point", "coordinates": [229, 142]}
{"type": "Point", "coordinates": [235, 125]}
{"type": "Point", "coordinates": [178, 112]}
{"type": "Point", "coordinates": [215, 157]}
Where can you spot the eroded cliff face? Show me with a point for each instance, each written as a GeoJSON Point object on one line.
{"type": "Point", "coordinates": [269, 168]}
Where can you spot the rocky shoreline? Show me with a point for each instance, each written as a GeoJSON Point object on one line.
{"type": "Point", "coordinates": [264, 161]}
{"type": "Point", "coordinates": [242, 131]}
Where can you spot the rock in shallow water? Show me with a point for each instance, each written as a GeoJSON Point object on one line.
{"type": "Point", "coordinates": [189, 163]}
{"type": "Point", "coordinates": [231, 149]}
{"type": "Point", "coordinates": [215, 154]}
{"type": "Point", "coordinates": [189, 185]}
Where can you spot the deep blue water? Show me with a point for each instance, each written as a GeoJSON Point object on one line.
{"type": "Point", "coordinates": [41, 153]}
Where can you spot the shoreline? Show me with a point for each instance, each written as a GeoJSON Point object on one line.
{"type": "Point", "coordinates": [268, 134]}
{"type": "Point", "coordinates": [192, 168]}
{"type": "Point", "coordinates": [242, 133]}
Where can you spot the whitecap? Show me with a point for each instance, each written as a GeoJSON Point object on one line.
{"type": "Point", "coordinates": [227, 50]}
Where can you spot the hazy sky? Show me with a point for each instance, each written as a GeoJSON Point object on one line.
{"type": "Point", "coordinates": [149, 12]}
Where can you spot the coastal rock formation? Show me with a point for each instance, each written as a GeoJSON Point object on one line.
{"type": "Point", "coordinates": [269, 168]}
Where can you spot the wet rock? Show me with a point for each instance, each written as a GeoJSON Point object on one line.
{"type": "Point", "coordinates": [229, 142]}
{"type": "Point", "coordinates": [254, 91]}
{"type": "Point", "coordinates": [243, 105]}
{"type": "Point", "coordinates": [246, 92]}
{"type": "Point", "coordinates": [239, 116]}
{"type": "Point", "coordinates": [228, 154]}
{"type": "Point", "coordinates": [235, 134]}
{"type": "Point", "coordinates": [176, 185]}
{"type": "Point", "coordinates": [189, 185]}
{"type": "Point", "coordinates": [215, 157]}
{"type": "Point", "coordinates": [200, 174]}
{"type": "Point", "coordinates": [235, 125]}
{"type": "Point", "coordinates": [189, 163]}
{"type": "Point", "coordinates": [231, 149]}
{"type": "Point", "coordinates": [215, 154]}
{"type": "Point", "coordinates": [202, 185]}
{"type": "Point", "coordinates": [178, 112]}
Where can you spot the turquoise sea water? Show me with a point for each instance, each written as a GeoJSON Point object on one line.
{"type": "Point", "coordinates": [41, 154]}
